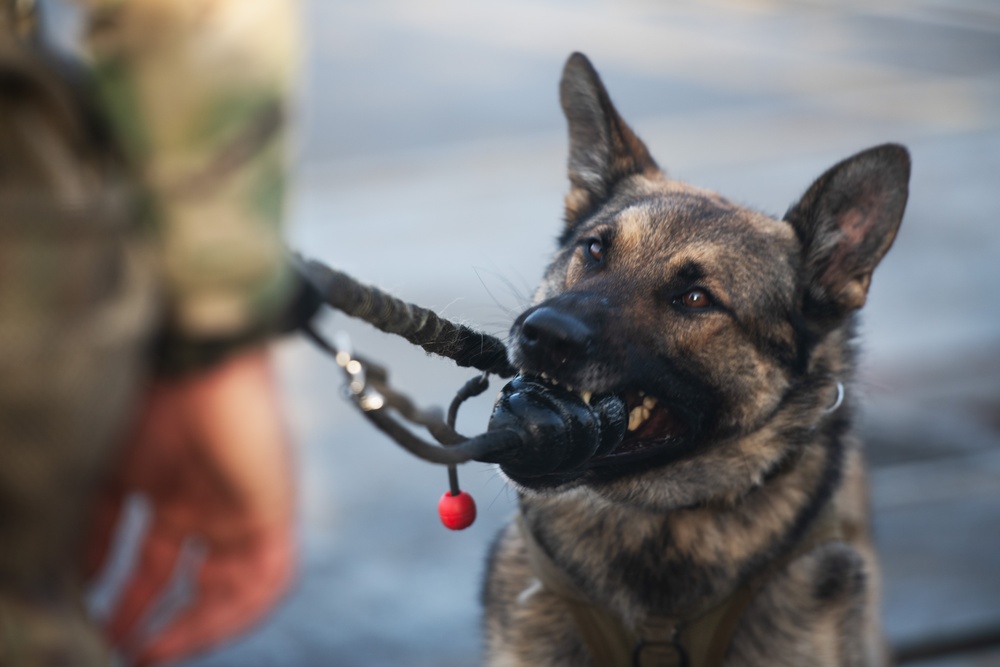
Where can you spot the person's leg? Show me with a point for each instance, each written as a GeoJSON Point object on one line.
{"type": "Point", "coordinates": [75, 309]}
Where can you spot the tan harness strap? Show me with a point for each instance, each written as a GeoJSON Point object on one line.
{"type": "Point", "coordinates": [712, 649]}
{"type": "Point", "coordinates": [663, 641]}
{"type": "Point", "coordinates": [608, 641]}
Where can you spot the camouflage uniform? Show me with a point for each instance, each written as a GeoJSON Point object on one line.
{"type": "Point", "coordinates": [95, 272]}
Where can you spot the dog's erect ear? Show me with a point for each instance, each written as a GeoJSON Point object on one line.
{"type": "Point", "coordinates": [602, 148]}
{"type": "Point", "coordinates": [846, 222]}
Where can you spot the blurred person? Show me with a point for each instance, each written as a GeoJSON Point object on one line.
{"type": "Point", "coordinates": [132, 335]}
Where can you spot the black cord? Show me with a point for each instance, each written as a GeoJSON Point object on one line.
{"type": "Point", "coordinates": [473, 387]}
{"type": "Point", "coordinates": [470, 389]}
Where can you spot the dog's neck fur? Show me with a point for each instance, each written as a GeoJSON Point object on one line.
{"type": "Point", "coordinates": [757, 519]}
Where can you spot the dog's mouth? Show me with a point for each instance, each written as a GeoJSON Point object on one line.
{"type": "Point", "coordinates": [654, 424]}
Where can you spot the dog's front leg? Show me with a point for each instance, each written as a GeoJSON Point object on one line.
{"type": "Point", "coordinates": [812, 614]}
{"type": "Point", "coordinates": [525, 624]}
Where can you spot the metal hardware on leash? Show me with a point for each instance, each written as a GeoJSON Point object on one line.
{"type": "Point", "coordinates": [369, 389]}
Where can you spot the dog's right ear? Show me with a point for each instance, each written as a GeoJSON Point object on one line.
{"type": "Point", "coordinates": [602, 148]}
{"type": "Point", "coordinates": [846, 222]}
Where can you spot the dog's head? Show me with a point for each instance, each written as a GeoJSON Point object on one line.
{"type": "Point", "coordinates": [707, 317]}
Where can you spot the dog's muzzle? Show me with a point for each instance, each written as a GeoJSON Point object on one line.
{"type": "Point", "coordinates": [557, 431]}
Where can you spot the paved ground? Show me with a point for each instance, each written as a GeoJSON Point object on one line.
{"type": "Point", "coordinates": [433, 164]}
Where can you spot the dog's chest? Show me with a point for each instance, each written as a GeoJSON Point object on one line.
{"type": "Point", "coordinates": [633, 562]}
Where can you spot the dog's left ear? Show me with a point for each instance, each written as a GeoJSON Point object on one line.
{"type": "Point", "coordinates": [602, 147]}
{"type": "Point", "coordinates": [846, 222]}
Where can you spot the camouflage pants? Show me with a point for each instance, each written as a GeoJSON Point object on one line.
{"type": "Point", "coordinates": [196, 92]}
{"type": "Point", "coordinates": [71, 358]}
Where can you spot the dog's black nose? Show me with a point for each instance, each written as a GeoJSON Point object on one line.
{"type": "Point", "coordinates": [552, 336]}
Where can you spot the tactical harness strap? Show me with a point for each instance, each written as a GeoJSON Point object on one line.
{"type": "Point", "coordinates": [663, 641]}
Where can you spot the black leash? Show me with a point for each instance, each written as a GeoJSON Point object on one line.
{"type": "Point", "coordinates": [535, 428]}
{"type": "Point", "coordinates": [367, 383]}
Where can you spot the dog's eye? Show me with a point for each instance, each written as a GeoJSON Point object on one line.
{"type": "Point", "coordinates": [695, 299]}
{"type": "Point", "coordinates": [595, 248]}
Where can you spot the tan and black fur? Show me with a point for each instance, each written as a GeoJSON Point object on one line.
{"type": "Point", "coordinates": [742, 325]}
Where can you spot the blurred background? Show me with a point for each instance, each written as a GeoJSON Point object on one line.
{"type": "Point", "coordinates": [432, 164]}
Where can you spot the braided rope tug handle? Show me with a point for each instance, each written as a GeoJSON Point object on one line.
{"type": "Point", "coordinates": [420, 326]}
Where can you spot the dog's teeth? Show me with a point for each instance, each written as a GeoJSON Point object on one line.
{"type": "Point", "coordinates": [554, 381]}
{"type": "Point", "coordinates": [545, 376]}
{"type": "Point", "coordinates": [586, 396]}
{"type": "Point", "coordinates": [649, 402]}
{"type": "Point", "coordinates": [635, 418]}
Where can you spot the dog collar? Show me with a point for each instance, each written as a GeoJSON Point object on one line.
{"type": "Point", "coordinates": [838, 401]}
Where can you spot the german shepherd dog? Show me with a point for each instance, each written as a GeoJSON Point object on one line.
{"type": "Point", "coordinates": [730, 525]}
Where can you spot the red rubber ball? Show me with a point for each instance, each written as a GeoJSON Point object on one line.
{"type": "Point", "coordinates": [457, 512]}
